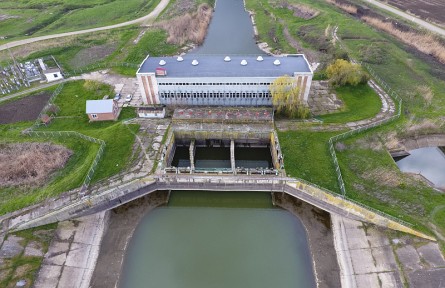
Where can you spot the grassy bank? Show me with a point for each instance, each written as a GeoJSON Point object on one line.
{"type": "Point", "coordinates": [41, 17]}
{"type": "Point", "coordinates": [71, 101]}
{"type": "Point", "coordinates": [360, 102]}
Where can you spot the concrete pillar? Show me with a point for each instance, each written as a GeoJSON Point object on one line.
{"type": "Point", "coordinates": [232, 156]}
{"type": "Point", "coordinates": [192, 156]}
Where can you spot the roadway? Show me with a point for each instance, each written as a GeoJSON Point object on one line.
{"type": "Point", "coordinates": [418, 21]}
{"type": "Point", "coordinates": [146, 19]}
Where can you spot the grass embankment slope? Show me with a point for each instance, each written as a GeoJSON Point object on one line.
{"type": "Point", "coordinates": [71, 101]}
{"type": "Point", "coordinates": [370, 174]}
{"type": "Point", "coordinates": [43, 17]}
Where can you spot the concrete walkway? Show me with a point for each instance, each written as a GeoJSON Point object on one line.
{"type": "Point", "coordinates": [418, 21]}
{"type": "Point", "coordinates": [144, 20]}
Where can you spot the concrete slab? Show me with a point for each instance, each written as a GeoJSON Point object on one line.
{"type": "Point", "coordinates": [408, 257]}
{"type": "Point", "coordinates": [384, 259]}
{"type": "Point", "coordinates": [376, 238]}
{"type": "Point", "coordinates": [427, 278]}
{"type": "Point", "coordinates": [357, 238]}
{"type": "Point", "coordinates": [432, 254]}
{"type": "Point", "coordinates": [33, 249]}
{"type": "Point", "coordinates": [362, 261]}
{"type": "Point", "coordinates": [11, 247]}
{"type": "Point", "coordinates": [48, 276]}
{"type": "Point", "coordinates": [85, 232]}
{"type": "Point", "coordinates": [56, 254]}
{"type": "Point", "coordinates": [78, 255]}
{"type": "Point", "coordinates": [390, 280]}
{"type": "Point", "coordinates": [71, 277]}
{"type": "Point", "coordinates": [367, 280]}
{"type": "Point", "coordinates": [65, 230]}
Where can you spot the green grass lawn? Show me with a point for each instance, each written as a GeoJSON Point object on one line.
{"type": "Point", "coordinates": [118, 137]}
{"type": "Point", "coordinates": [306, 156]}
{"type": "Point", "coordinates": [42, 17]}
{"type": "Point", "coordinates": [372, 177]}
{"type": "Point", "coordinates": [361, 102]}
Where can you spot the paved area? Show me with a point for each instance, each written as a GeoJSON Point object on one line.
{"type": "Point", "coordinates": [72, 254]}
{"type": "Point", "coordinates": [374, 257]}
{"type": "Point", "coordinates": [146, 19]}
{"type": "Point", "coordinates": [122, 84]}
{"type": "Point", "coordinates": [321, 100]}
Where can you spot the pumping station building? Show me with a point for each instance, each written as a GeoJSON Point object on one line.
{"type": "Point", "coordinates": [213, 80]}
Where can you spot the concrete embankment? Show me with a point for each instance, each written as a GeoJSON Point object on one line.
{"type": "Point", "coordinates": [320, 238]}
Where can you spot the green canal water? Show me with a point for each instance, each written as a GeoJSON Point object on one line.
{"type": "Point", "coordinates": [218, 240]}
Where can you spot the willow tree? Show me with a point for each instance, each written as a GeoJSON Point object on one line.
{"type": "Point", "coordinates": [286, 98]}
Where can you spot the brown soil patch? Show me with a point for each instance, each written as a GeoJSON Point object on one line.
{"type": "Point", "coordinates": [190, 27]}
{"type": "Point", "coordinates": [25, 109]}
{"type": "Point", "coordinates": [429, 10]}
{"type": "Point", "coordinates": [30, 163]}
{"type": "Point", "coordinates": [21, 271]}
{"type": "Point", "coordinates": [300, 10]}
{"type": "Point", "coordinates": [90, 55]}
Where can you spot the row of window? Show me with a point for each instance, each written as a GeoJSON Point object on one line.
{"type": "Point", "coordinates": [214, 95]}
{"type": "Point", "coordinates": [212, 84]}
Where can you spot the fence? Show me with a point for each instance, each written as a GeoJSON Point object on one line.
{"type": "Point", "coordinates": [99, 66]}
{"type": "Point", "coordinates": [350, 133]}
{"type": "Point", "coordinates": [97, 158]}
{"type": "Point", "coordinates": [30, 131]}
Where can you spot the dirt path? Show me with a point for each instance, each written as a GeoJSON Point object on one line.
{"type": "Point", "coordinates": [420, 22]}
{"type": "Point", "coordinates": [144, 20]}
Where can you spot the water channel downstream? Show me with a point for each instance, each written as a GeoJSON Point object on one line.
{"type": "Point", "coordinates": [427, 161]}
{"type": "Point", "coordinates": [205, 239]}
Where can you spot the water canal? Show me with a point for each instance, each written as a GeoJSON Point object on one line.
{"type": "Point", "coordinates": [218, 239]}
{"type": "Point", "coordinates": [230, 31]}
{"type": "Point", "coordinates": [428, 162]}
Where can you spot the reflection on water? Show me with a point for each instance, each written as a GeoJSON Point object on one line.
{"type": "Point", "coordinates": [230, 31]}
{"type": "Point", "coordinates": [429, 162]}
{"type": "Point", "coordinates": [189, 245]}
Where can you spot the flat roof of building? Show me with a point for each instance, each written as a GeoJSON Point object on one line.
{"type": "Point", "coordinates": [216, 66]}
{"type": "Point", "coordinates": [99, 106]}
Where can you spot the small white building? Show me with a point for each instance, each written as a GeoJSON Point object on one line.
{"type": "Point", "coordinates": [51, 74]}
{"type": "Point", "coordinates": [102, 110]}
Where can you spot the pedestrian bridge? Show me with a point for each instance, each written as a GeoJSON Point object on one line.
{"type": "Point", "coordinates": [114, 197]}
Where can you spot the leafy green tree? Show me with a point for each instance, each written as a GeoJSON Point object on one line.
{"type": "Point", "coordinates": [342, 72]}
{"type": "Point", "coordinates": [286, 98]}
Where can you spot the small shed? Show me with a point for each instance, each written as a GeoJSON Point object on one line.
{"type": "Point", "coordinates": [53, 75]}
{"type": "Point", "coordinates": [102, 110]}
{"type": "Point", "coordinates": [151, 112]}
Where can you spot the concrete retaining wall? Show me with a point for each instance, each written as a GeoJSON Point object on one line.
{"type": "Point", "coordinates": [424, 141]}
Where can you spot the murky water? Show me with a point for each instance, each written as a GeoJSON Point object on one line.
{"type": "Point", "coordinates": [218, 240]}
{"type": "Point", "coordinates": [230, 31]}
{"type": "Point", "coordinates": [429, 162]}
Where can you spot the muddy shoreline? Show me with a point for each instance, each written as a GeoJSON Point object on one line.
{"type": "Point", "coordinates": [121, 226]}
{"type": "Point", "coordinates": [124, 220]}
{"type": "Point", "coordinates": [319, 237]}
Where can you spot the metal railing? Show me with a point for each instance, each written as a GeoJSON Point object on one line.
{"type": "Point", "coordinates": [353, 132]}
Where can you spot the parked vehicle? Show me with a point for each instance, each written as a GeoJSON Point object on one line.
{"type": "Point", "coordinates": [117, 96]}
{"type": "Point", "coordinates": [128, 98]}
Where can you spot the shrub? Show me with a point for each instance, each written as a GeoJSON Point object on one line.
{"type": "Point", "coordinates": [286, 98]}
{"type": "Point", "coordinates": [342, 72]}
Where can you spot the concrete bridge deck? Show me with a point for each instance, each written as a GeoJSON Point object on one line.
{"type": "Point", "coordinates": [112, 198]}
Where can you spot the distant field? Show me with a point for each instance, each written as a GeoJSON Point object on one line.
{"type": "Point", "coordinates": [430, 10]}
{"type": "Point", "coordinates": [21, 18]}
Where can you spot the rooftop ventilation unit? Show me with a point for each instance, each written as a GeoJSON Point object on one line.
{"type": "Point", "coordinates": [259, 58]}
{"type": "Point", "coordinates": [243, 62]}
{"type": "Point", "coordinates": [180, 59]}
{"type": "Point", "coordinates": [227, 59]}
{"type": "Point", "coordinates": [195, 62]}
{"type": "Point", "coordinates": [162, 62]}
{"type": "Point", "coordinates": [276, 62]}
